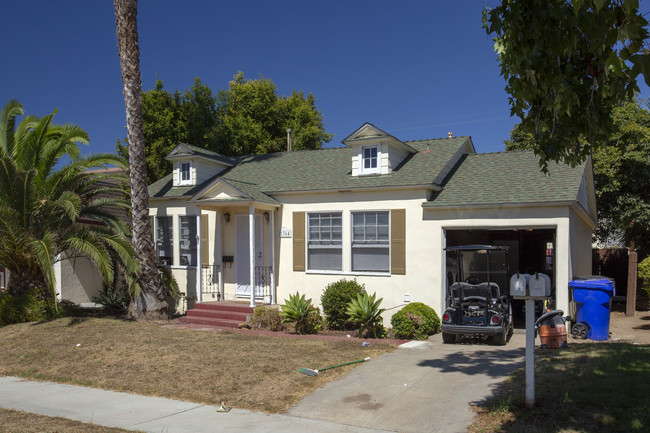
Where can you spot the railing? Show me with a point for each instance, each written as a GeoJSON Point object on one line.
{"type": "Point", "coordinates": [210, 281]}
{"type": "Point", "coordinates": [263, 282]}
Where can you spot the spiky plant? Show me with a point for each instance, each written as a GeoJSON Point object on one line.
{"type": "Point", "coordinates": [365, 312]}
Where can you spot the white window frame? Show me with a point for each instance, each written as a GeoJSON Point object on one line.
{"type": "Point", "coordinates": [362, 160]}
{"type": "Point", "coordinates": [369, 240]}
{"type": "Point", "coordinates": [181, 180]}
{"type": "Point", "coordinates": [314, 244]}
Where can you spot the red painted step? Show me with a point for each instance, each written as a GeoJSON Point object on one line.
{"type": "Point", "coordinates": [218, 314]}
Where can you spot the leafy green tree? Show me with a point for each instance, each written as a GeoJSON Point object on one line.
{"type": "Point", "coordinates": [173, 118]}
{"type": "Point", "coordinates": [567, 63]}
{"type": "Point", "coordinates": [621, 174]}
{"type": "Point", "coordinates": [247, 118]}
{"type": "Point", "coordinates": [254, 119]}
{"type": "Point", "coordinates": [47, 213]}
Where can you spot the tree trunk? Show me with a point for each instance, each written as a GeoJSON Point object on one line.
{"type": "Point", "coordinates": [28, 280]}
{"type": "Point", "coordinates": [151, 301]}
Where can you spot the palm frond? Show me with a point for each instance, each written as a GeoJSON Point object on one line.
{"type": "Point", "coordinates": [8, 115]}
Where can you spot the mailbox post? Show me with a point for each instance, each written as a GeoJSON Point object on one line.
{"type": "Point", "coordinates": [530, 288]}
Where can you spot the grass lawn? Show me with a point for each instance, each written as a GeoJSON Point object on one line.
{"type": "Point", "coordinates": [596, 387]}
{"type": "Point", "coordinates": [244, 371]}
{"type": "Point", "coordinates": [12, 421]}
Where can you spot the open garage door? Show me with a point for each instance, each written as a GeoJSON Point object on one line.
{"type": "Point", "coordinates": [531, 250]}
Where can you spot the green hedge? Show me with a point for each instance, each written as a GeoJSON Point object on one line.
{"type": "Point", "coordinates": [415, 321]}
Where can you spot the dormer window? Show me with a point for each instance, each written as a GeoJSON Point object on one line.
{"type": "Point", "coordinates": [370, 157]}
{"type": "Point", "coordinates": [185, 174]}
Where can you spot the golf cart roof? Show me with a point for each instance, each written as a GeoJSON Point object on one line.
{"type": "Point", "coordinates": [477, 247]}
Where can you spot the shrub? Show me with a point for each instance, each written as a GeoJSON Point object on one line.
{"type": "Point", "coordinates": [364, 311]}
{"type": "Point", "coordinates": [24, 308]}
{"type": "Point", "coordinates": [267, 318]}
{"type": "Point", "coordinates": [335, 300]}
{"type": "Point", "coordinates": [416, 320]}
{"type": "Point", "coordinates": [299, 310]}
{"type": "Point", "coordinates": [644, 274]}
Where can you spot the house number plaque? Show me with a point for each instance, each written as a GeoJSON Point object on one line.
{"type": "Point", "coordinates": [285, 232]}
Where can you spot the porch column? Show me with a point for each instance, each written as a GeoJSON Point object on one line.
{"type": "Point", "coordinates": [199, 279]}
{"type": "Point", "coordinates": [251, 249]}
{"type": "Point", "coordinates": [219, 247]}
{"type": "Point", "coordinates": [272, 247]}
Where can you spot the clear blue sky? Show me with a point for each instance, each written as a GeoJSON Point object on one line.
{"type": "Point", "coordinates": [416, 69]}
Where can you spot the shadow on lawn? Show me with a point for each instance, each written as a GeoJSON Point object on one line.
{"type": "Point", "coordinates": [600, 387]}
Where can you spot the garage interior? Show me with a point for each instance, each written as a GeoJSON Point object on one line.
{"type": "Point", "coordinates": [531, 250]}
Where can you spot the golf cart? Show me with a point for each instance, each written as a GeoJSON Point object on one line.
{"type": "Point", "coordinates": [478, 304]}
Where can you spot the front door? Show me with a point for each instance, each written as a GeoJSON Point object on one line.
{"type": "Point", "coordinates": [242, 257]}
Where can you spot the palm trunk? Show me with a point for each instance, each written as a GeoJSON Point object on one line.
{"type": "Point", "coordinates": [151, 301]}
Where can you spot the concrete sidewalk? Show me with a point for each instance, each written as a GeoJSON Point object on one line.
{"type": "Point", "coordinates": [148, 414]}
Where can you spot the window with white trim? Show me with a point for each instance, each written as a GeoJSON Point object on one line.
{"type": "Point", "coordinates": [188, 240]}
{"type": "Point", "coordinates": [371, 241]}
{"type": "Point", "coordinates": [325, 241]}
{"type": "Point", "coordinates": [370, 160]}
{"type": "Point", "coordinates": [185, 173]}
{"type": "Point", "coordinates": [165, 239]}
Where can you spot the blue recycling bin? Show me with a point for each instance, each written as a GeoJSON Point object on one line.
{"type": "Point", "coordinates": [593, 301]}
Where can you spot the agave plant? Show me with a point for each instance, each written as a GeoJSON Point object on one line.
{"type": "Point", "coordinates": [299, 310]}
{"type": "Point", "coordinates": [364, 311]}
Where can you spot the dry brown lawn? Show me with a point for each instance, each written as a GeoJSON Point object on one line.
{"type": "Point", "coordinates": [244, 371]}
{"type": "Point", "coordinates": [12, 421]}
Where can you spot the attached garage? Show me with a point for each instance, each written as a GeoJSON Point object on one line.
{"type": "Point", "coordinates": [504, 199]}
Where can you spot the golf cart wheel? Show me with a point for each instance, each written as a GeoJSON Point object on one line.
{"type": "Point", "coordinates": [448, 338]}
{"type": "Point", "coordinates": [500, 339]}
{"type": "Point", "coordinates": [579, 331]}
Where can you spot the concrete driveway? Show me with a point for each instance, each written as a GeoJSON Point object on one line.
{"type": "Point", "coordinates": [423, 386]}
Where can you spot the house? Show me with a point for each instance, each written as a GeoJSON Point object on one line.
{"type": "Point", "coordinates": [380, 210]}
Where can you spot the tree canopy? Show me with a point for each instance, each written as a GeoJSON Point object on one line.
{"type": "Point", "coordinates": [621, 174]}
{"type": "Point", "coordinates": [567, 63]}
{"type": "Point", "coordinates": [173, 118]}
{"type": "Point", "coordinates": [248, 117]}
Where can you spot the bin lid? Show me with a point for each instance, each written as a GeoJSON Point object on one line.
{"type": "Point", "coordinates": [601, 284]}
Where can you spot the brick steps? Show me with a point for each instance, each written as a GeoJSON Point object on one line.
{"type": "Point", "coordinates": [218, 314]}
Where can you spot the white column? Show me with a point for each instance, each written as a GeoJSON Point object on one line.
{"type": "Point", "coordinates": [199, 279]}
{"type": "Point", "coordinates": [218, 236]}
{"type": "Point", "coordinates": [272, 247]}
{"type": "Point", "coordinates": [251, 249]}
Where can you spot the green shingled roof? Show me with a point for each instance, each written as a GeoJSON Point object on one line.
{"type": "Point", "coordinates": [325, 169]}
{"type": "Point", "coordinates": [508, 178]}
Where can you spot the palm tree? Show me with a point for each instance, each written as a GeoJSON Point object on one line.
{"type": "Point", "coordinates": [48, 214]}
{"type": "Point", "coordinates": [150, 300]}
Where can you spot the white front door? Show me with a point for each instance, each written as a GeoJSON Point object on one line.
{"type": "Point", "coordinates": [242, 257]}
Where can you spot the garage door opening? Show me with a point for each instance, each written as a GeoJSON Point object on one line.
{"type": "Point", "coordinates": [531, 250]}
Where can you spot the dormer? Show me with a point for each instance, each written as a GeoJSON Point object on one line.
{"type": "Point", "coordinates": [193, 165]}
{"type": "Point", "coordinates": [375, 152]}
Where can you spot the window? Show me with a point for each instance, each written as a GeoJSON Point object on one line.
{"type": "Point", "coordinates": [164, 240]}
{"type": "Point", "coordinates": [325, 246]}
{"type": "Point", "coordinates": [188, 240]}
{"type": "Point", "coordinates": [370, 241]}
{"type": "Point", "coordinates": [185, 173]}
{"type": "Point", "coordinates": [370, 160]}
